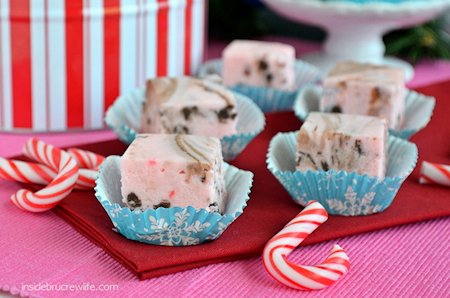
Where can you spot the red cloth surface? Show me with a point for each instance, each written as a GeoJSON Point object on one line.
{"type": "Point", "coordinates": [270, 206]}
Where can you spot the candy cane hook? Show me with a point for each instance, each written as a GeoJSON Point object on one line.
{"type": "Point", "coordinates": [50, 196]}
{"type": "Point", "coordinates": [301, 277]}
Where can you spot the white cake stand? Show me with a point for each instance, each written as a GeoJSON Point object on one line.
{"type": "Point", "coordinates": [355, 30]}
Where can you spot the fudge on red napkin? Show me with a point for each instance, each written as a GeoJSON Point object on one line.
{"type": "Point", "coordinates": [270, 206]}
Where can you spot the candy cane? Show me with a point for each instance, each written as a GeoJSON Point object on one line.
{"type": "Point", "coordinates": [87, 161]}
{"type": "Point", "coordinates": [434, 173]}
{"type": "Point", "coordinates": [48, 197]}
{"type": "Point", "coordinates": [296, 276]}
{"type": "Point", "coordinates": [29, 172]}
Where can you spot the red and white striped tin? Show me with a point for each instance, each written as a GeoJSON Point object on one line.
{"type": "Point", "coordinates": [63, 62]}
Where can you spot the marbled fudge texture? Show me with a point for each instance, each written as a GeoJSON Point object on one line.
{"type": "Point", "coordinates": [164, 170]}
{"type": "Point", "coordinates": [187, 105]}
{"type": "Point", "coordinates": [353, 143]}
{"type": "Point", "coordinates": [258, 63]}
{"type": "Point", "coordinates": [365, 89]}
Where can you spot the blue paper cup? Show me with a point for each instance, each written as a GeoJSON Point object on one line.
{"type": "Point", "coordinates": [268, 99]}
{"type": "Point", "coordinates": [341, 193]}
{"type": "Point", "coordinates": [175, 226]}
{"type": "Point", "coordinates": [418, 109]}
{"type": "Point", "coordinates": [124, 117]}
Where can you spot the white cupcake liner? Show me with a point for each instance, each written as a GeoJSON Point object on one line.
{"type": "Point", "coordinates": [341, 193]}
{"type": "Point", "coordinates": [418, 109]}
{"type": "Point", "coordinates": [268, 99]}
{"type": "Point", "coordinates": [124, 117]}
{"type": "Point", "coordinates": [175, 226]}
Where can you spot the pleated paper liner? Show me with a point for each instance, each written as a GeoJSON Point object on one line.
{"type": "Point", "coordinates": [124, 117]}
{"type": "Point", "coordinates": [268, 99]}
{"type": "Point", "coordinates": [341, 193]}
{"type": "Point", "coordinates": [175, 226]}
{"type": "Point", "coordinates": [418, 109]}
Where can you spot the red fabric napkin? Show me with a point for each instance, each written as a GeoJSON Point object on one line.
{"type": "Point", "coordinates": [270, 207]}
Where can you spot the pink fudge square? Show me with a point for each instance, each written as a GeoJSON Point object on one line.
{"type": "Point", "coordinates": [365, 89]}
{"type": "Point", "coordinates": [258, 63]}
{"type": "Point", "coordinates": [173, 170]}
{"type": "Point", "coordinates": [187, 105]}
{"type": "Point", "coordinates": [352, 143]}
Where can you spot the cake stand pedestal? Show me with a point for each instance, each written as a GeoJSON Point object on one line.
{"type": "Point", "coordinates": [354, 30]}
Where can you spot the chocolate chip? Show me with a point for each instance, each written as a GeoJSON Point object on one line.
{"type": "Point", "coordinates": [133, 201]}
{"type": "Point", "coordinates": [342, 85]}
{"type": "Point", "coordinates": [180, 129]}
{"type": "Point", "coordinates": [336, 109]}
{"type": "Point", "coordinates": [214, 207]}
{"type": "Point", "coordinates": [309, 157]}
{"type": "Point", "coordinates": [262, 65]}
{"type": "Point", "coordinates": [226, 113]}
{"type": "Point", "coordinates": [247, 71]}
{"type": "Point", "coordinates": [188, 111]}
{"type": "Point", "coordinates": [164, 204]}
{"type": "Point", "coordinates": [269, 78]}
{"type": "Point", "coordinates": [358, 147]}
{"type": "Point", "coordinates": [375, 94]}
{"type": "Point", "coordinates": [325, 166]}
{"type": "Point", "coordinates": [149, 121]}
{"type": "Point", "coordinates": [203, 178]}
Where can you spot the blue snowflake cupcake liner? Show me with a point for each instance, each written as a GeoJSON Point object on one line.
{"type": "Point", "coordinates": [418, 109]}
{"type": "Point", "coordinates": [341, 193]}
{"type": "Point", "coordinates": [266, 98]}
{"type": "Point", "coordinates": [175, 226]}
{"type": "Point", "coordinates": [124, 118]}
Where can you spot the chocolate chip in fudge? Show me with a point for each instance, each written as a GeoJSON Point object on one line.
{"type": "Point", "coordinates": [336, 109]}
{"type": "Point", "coordinates": [269, 78]}
{"type": "Point", "coordinates": [358, 147]}
{"type": "Point", "coordinates": [188, 111]}
{"type": "Point", "coordinates": [164, 204]}
{"type": "Point", "coordinates": [342, 85]}
{"type": "Point", "coordinates": [263, 65]}
{"type": "Point", "coordinates": [149, 121]}
{"type": "Point", "coordinates": [324, 165]}
{"type": "Point", "coordinates": [133, 201]}
{"type": "Point", "coordinates": [226, 113]}
{"type": "Point", "coordinates": [180, 129]}
{"type": "Point", "coordinates": [213, 207]}
{"type": "Point", "coordinates": [375, 95]}
{"type": "Point", "coordinates": [247, 71]}
{"type": "Point", "coordinates": [308, 156]}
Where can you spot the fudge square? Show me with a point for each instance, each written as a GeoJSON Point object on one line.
{"type": "Point", "coordinates": [353, 143]}
{"type": "Point", "coordinates": [164, 170]}
{"type": "Point", "coordinates": [187, 105]}
{"type": "Point", "coordinates": [365, 89]}
{"type": "Point", "coordinates": [258, 63]}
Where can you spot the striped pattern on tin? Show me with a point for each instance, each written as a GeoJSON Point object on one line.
{"type": "Point", "coordinates": [63, 63]}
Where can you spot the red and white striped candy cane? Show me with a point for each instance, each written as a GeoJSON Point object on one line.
{"type": "Point", "coordinates": [30, 172]}
{"type": "Point", "coordinates": [301, 277]}
{"type": "Point", "coordinates": [50, 196]}
{"type": "Point", "coordinates": [434, 173]}
{"type": "Point", "coordinates": [86, 159]}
